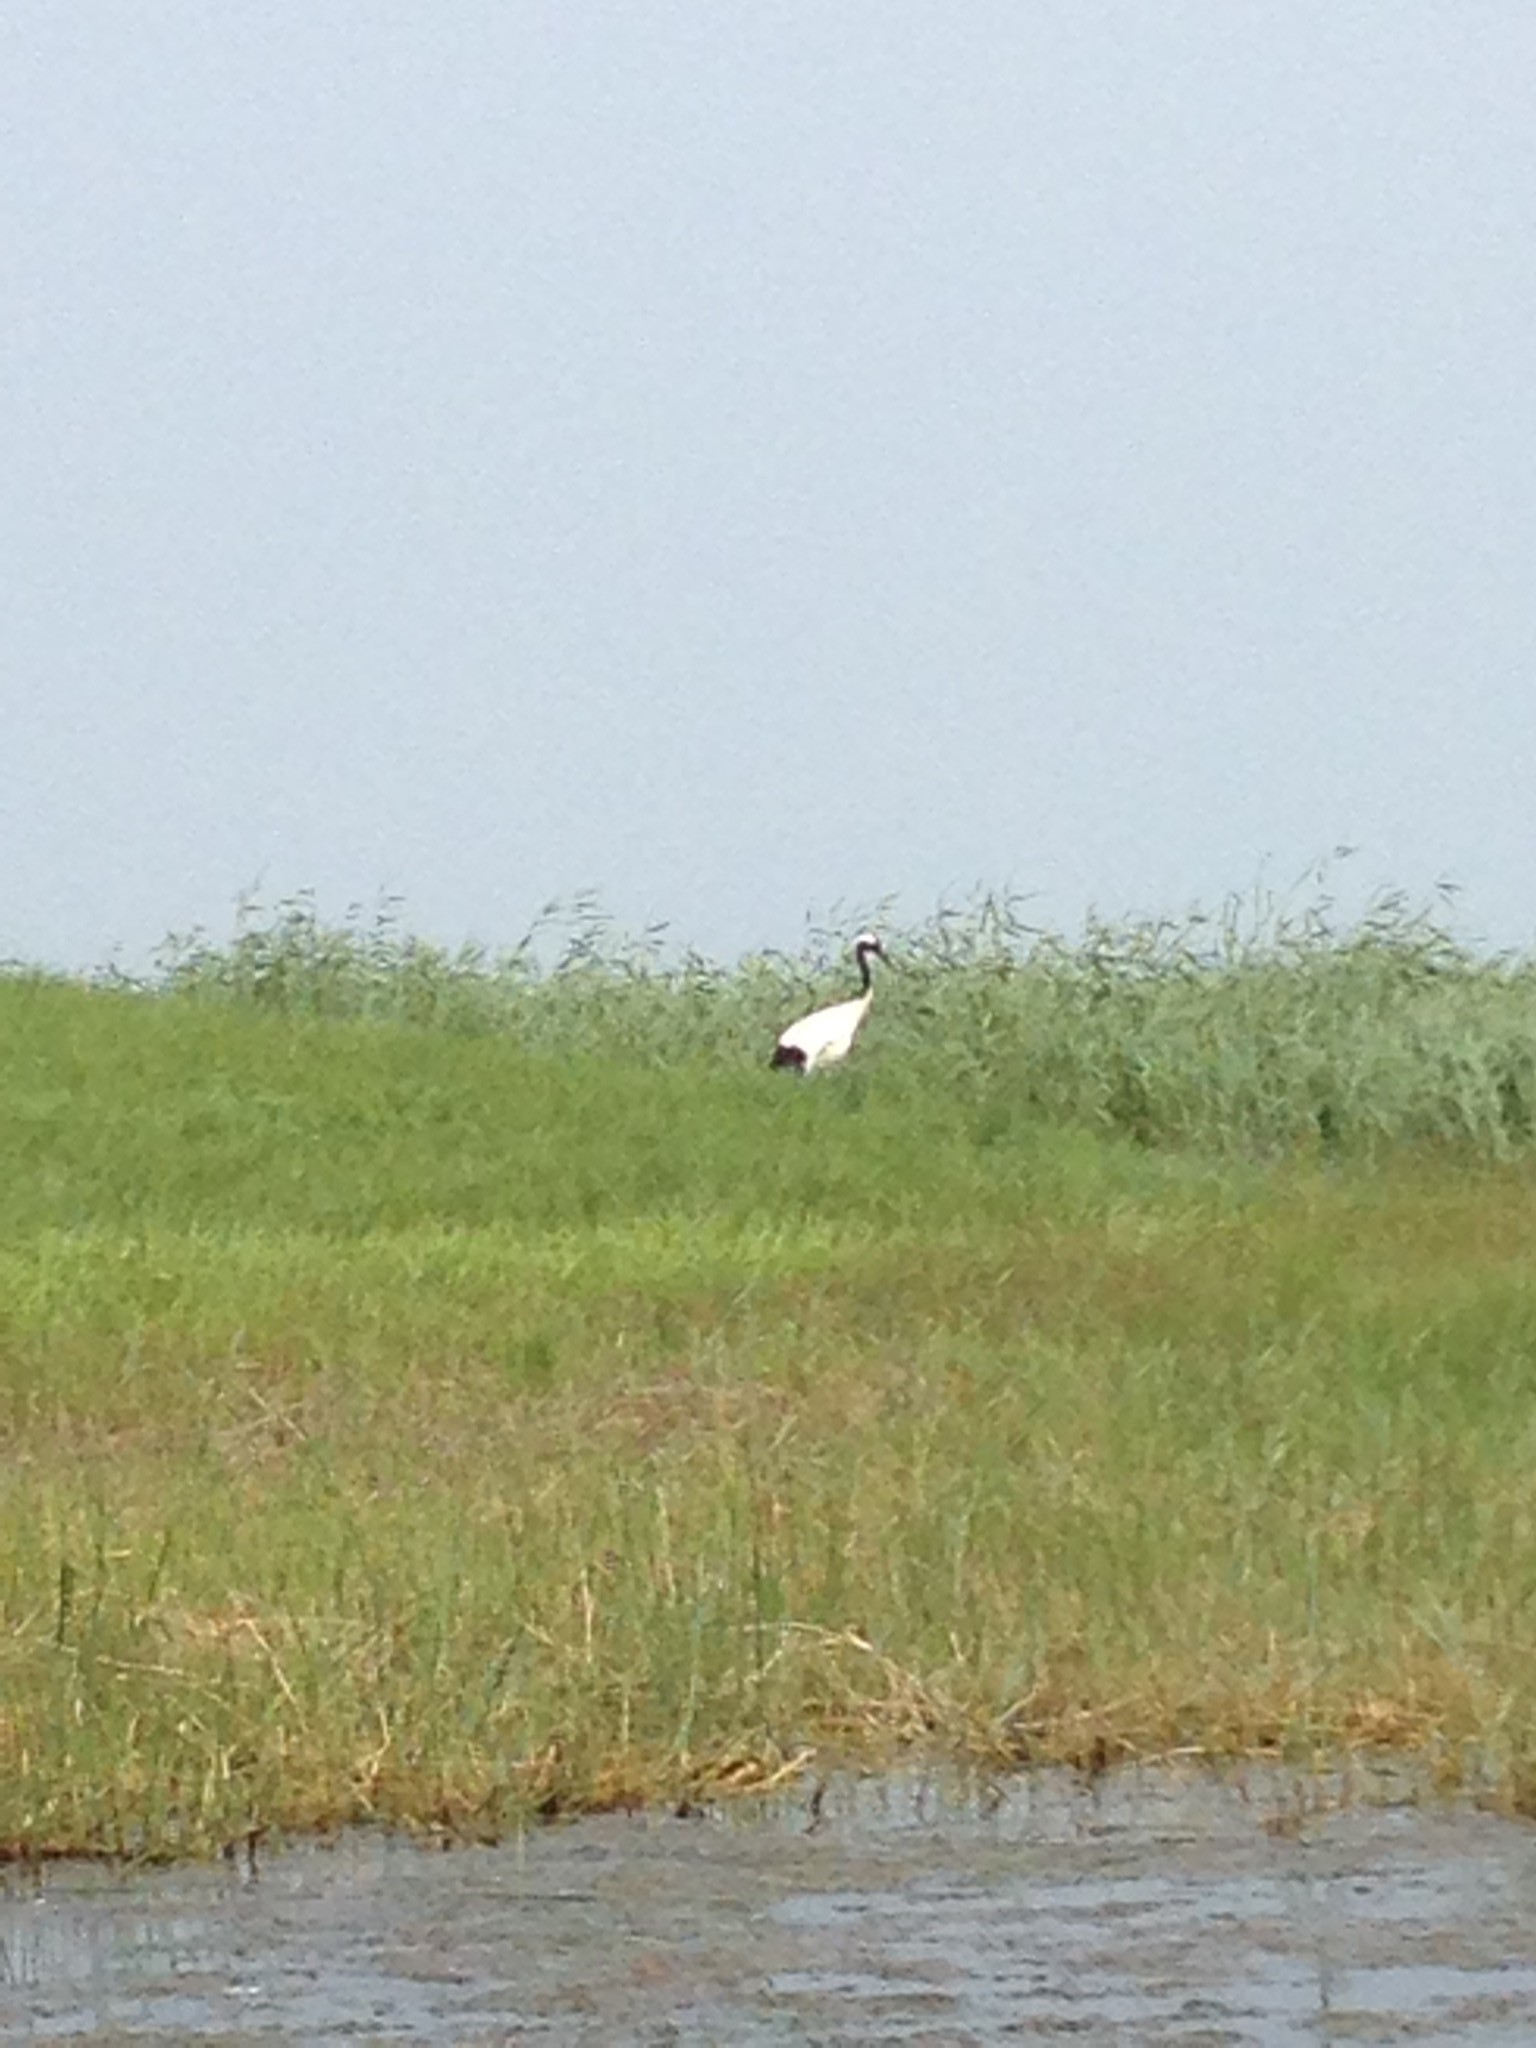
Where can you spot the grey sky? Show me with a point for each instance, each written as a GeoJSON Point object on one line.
{"type": "Point", "coordinates": [744, 459]}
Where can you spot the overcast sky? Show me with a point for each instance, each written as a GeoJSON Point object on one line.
{"type": "Point", "coordinates": [751, 459]}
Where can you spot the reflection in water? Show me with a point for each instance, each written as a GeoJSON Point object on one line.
{"type": "Point", "coordinates": [1150, 1906]}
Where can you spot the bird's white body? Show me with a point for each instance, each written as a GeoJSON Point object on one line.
{"type": "Point", "coordinates": [825, 1036]}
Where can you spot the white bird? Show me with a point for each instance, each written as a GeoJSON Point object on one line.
{"type": "Point", "coordinates": [826, 1035]}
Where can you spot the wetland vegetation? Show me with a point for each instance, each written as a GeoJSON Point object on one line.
{"type": "Point", "coordinates": [438, 1388]}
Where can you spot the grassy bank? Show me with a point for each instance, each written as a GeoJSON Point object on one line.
{"type": "Point", "coordinates": [425, 1396]}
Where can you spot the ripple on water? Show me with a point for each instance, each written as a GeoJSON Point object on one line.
{"type": "Point", "coordinates": [1153, 1905]}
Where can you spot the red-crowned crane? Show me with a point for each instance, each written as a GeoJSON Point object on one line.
{"type": "Point", "coordinates": [826, 1035]}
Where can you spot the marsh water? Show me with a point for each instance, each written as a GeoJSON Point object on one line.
{"type": "Point", "coordinates": [1150, 1906]}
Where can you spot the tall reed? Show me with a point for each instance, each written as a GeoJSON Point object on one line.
{"type": "Point", "coordinates": [1254, 1027]}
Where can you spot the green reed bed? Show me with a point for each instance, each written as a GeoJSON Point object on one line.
{"type": "Point", "coordinates": [429, 1393]}
{"type": "Point", "coordinates": [1256, 1027]}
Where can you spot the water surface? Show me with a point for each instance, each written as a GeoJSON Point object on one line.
{"type": "Point", "coordinates": [1154, 1906]}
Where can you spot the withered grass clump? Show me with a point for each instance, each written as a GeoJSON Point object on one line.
{"type": "Point", "coordinates": [429, 1425]}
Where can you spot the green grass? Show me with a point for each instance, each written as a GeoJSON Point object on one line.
{"type": "Point", "coordinates": [438, 1390]}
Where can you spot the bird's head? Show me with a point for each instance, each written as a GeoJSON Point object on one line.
{"type": "Point", "coordinates": [865, 944]}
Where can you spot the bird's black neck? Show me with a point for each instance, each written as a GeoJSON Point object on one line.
{"type": "Point", "coordinates": [866, 979]}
